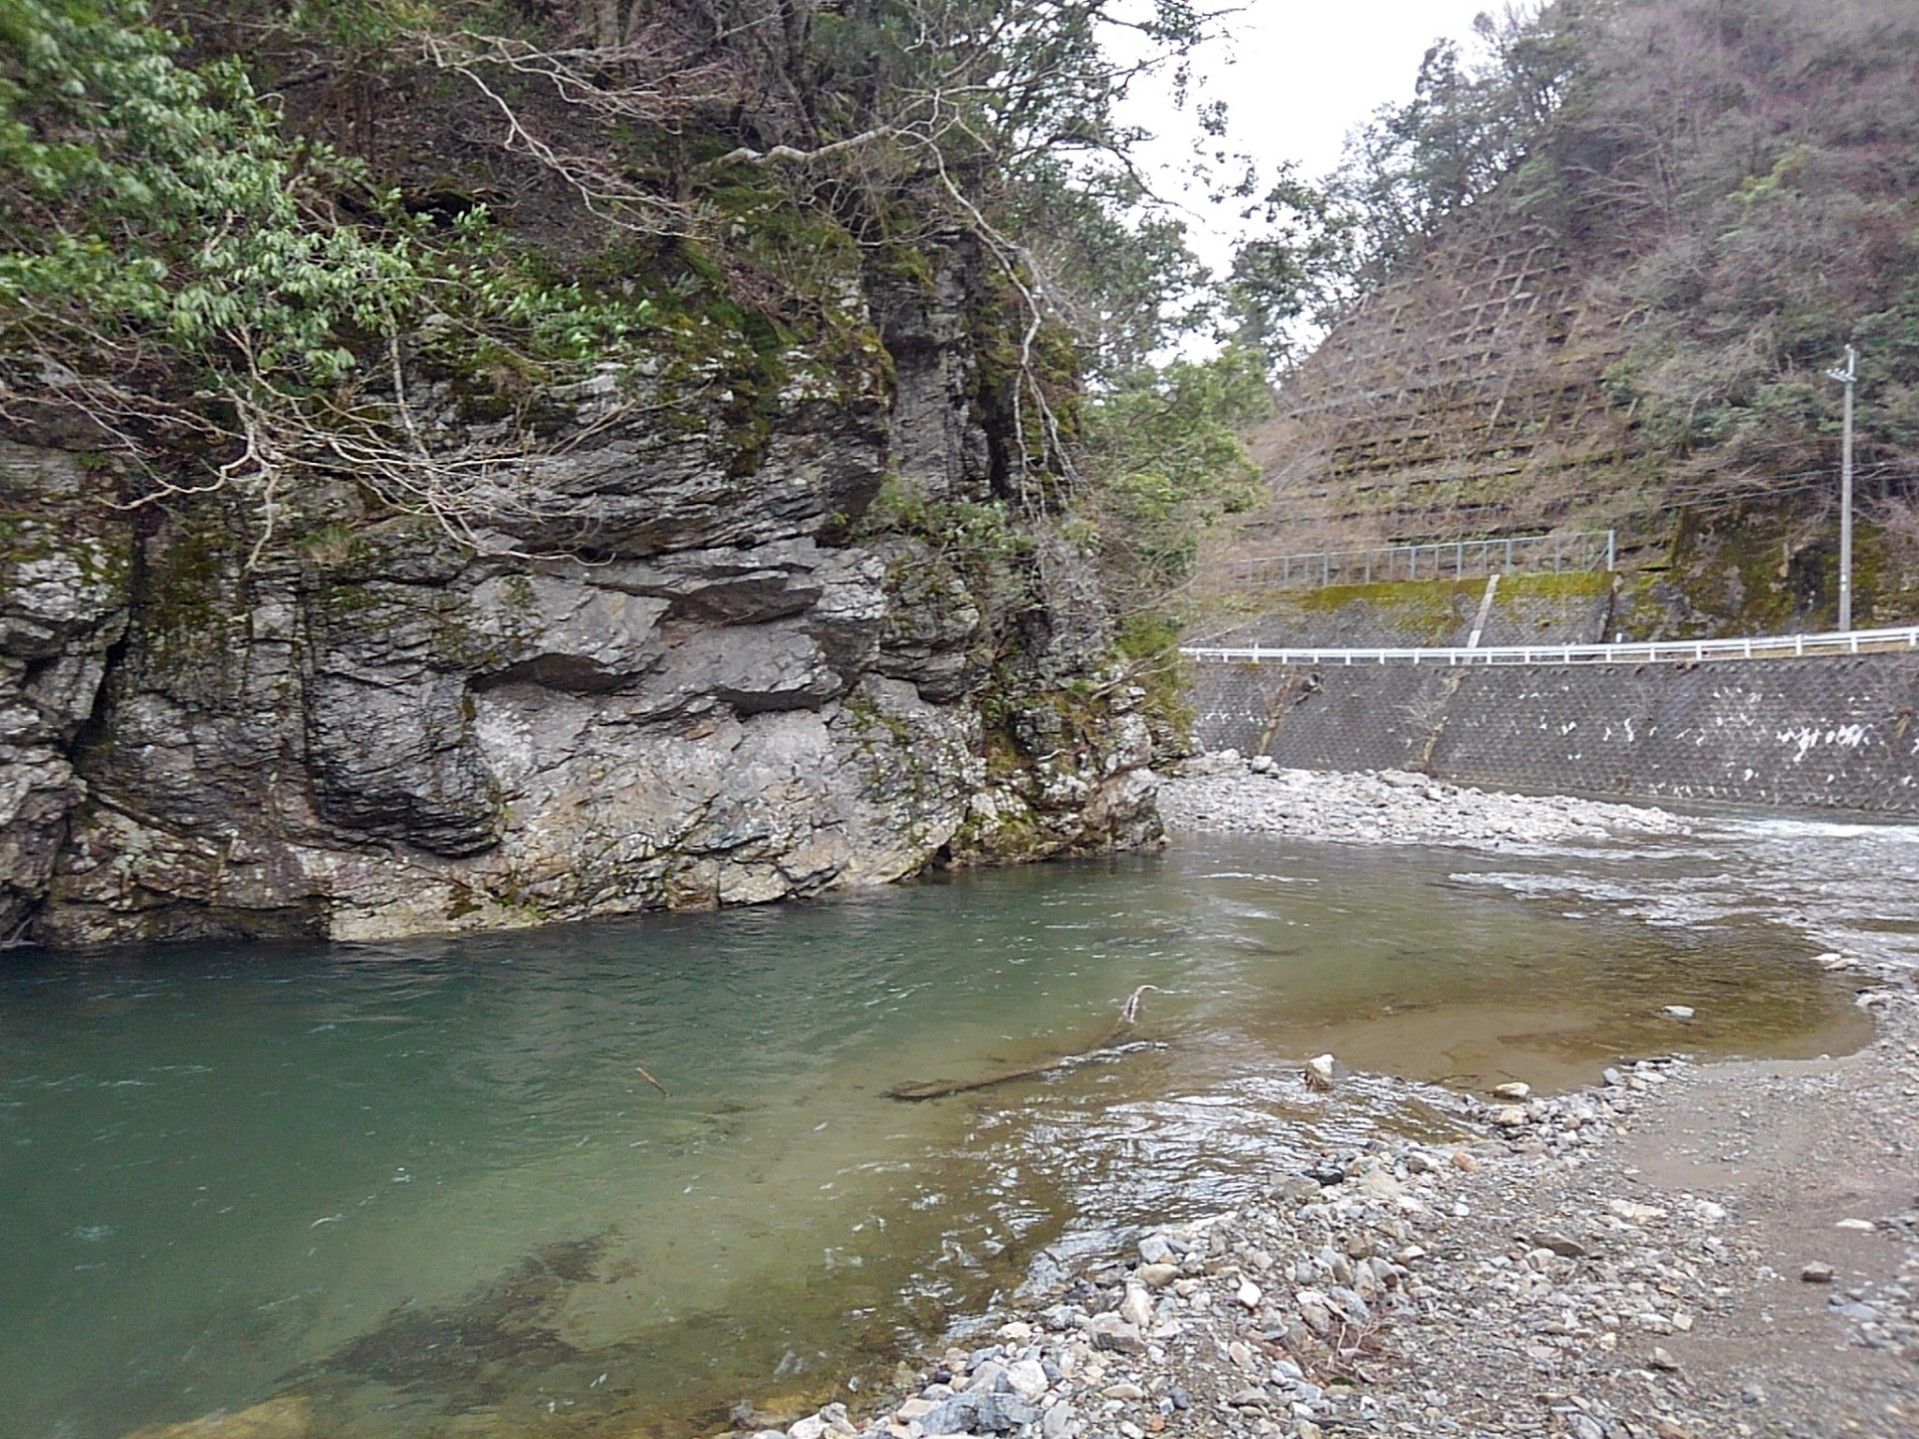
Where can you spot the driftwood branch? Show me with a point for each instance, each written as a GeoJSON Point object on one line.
{"type": "Point", "coordinates": [943, 1089]}
{"type": "Point", "coordinates": [1107, 1049]}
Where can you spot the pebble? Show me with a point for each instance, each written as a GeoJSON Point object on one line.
{"type": "Point", "coordinates": [1635, 1213]}
{"type": "Point", "coordinates": [1027, 1378]}
{"type": "Point", "coordinates": [1109, 1331]}
{"type": "Point", "coordinates": [1315, 1309]}
{"type": "Point", "coordinates": [1817, 1274]}
{"type": "Point", "coordinates": [950, 1416]}
{"type": "Point", "coordinates": [1560, 1244]}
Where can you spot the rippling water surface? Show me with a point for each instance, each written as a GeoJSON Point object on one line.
{"type": "Point", "coordinates": [424, 1189]}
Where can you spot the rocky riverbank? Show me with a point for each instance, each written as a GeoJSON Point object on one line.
{"type": "Point", "coordinates": [1683, 1251]}
{"type": "Point", "coordinates": [1225, 792]}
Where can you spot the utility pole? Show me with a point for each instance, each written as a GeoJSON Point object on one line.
{"type": "Point", "coordinates": [1846, 377]}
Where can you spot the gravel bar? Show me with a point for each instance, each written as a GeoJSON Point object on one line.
{"type": "Point", "coordinates": [1224, 793]}
{"type": "Point", "coordinates": [1681, 1252]}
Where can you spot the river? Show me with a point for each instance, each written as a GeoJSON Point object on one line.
{"type": "Point", "coordinates": [428, 1185]}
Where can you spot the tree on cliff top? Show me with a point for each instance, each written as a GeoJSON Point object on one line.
{"type": "Point", "coordinates": [229, 222]}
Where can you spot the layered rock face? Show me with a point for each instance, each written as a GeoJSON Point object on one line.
{"type": "Point", "coordinates": [700, 670]}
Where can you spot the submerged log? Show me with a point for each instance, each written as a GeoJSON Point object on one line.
{"type": "Point", "coordinates": [943, 1088]}
{"type": "Point", "coordinates": [1107, 1048]}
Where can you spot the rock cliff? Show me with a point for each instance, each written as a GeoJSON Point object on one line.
{"type": "Point", "coordinates": [700, 662]}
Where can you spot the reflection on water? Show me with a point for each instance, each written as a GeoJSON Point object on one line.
{"type": "Point", "coordinates": [425, 1187]}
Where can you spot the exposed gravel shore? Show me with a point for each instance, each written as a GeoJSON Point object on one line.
{"type": "Point", "coordinates": [1223, 792]}
{"type": "Point", "coordinates": [1686, 1250]}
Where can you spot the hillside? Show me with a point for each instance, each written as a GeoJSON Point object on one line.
{"type": "Point", "coordinates": [1623, 316]}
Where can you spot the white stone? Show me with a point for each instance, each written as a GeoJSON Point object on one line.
{"type": "Point", "coordinates": [1633, 1213]}
{"type": "Point", "coordinates": [1027, 1377]}
{"type": "Point", "coordinates": [1154, 1249]}
{"type": "Point", "coordinates": [1379, 1184]}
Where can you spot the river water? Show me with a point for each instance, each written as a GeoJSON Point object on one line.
{"type": "Point", "coordinates": [426, 1187]}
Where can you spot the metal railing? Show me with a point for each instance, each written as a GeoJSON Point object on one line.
{"type": "Point", "coordinates": [1447, 560]}
{"type": "Point", "coordinates": [1853, 642]}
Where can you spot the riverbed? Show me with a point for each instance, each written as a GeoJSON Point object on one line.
{"type": "Point", "coordinates": [435, 1187]}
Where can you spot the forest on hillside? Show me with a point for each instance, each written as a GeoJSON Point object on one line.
{"type": "Point", "coordinates": [1696, 206]}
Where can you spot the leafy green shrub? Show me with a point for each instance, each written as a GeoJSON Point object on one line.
{"type": "Point", "coordinates": [1164, 461]}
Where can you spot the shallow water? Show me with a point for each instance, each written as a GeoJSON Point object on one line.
{"type": "Point", "coordinates": [424, 1185]}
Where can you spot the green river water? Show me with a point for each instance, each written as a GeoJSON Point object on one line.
{"type": "Point", "coordinates": [423, 1186]}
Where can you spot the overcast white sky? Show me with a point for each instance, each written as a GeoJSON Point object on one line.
{"type": "Point", "coordinates": [1297, 76]}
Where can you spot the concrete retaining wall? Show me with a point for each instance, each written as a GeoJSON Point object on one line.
{"type": "Point", "coordinates": [1829, 733]}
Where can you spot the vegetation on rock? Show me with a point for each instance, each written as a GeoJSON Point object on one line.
{"type": "Point", "coordinates": [250, 244]}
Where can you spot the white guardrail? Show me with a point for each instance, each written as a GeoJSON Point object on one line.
{"type": "Point", "coordinates": [1853, 642]}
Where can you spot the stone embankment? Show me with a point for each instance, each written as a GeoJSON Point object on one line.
{"type": "Point", "coordinates": [1677, 1253]}
{"type": "Point", "coordinates": [1223, 792]}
